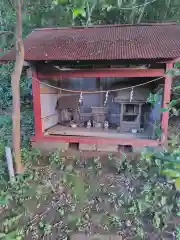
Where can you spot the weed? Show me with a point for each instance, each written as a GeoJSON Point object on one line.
{"type": "Point", "coordinates": [46, 228]}
{"type": "Point", "coordinates": [56, 160]}
{"type": "Point", "coordinates": [177, 233]}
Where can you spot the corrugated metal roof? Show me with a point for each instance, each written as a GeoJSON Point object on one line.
{"type": "Point", "coordinates": [110, 42]}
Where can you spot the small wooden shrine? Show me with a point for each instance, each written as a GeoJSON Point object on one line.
{"type": "Point", "coordinates": [91, 84]}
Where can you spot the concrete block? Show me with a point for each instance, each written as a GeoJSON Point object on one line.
{"type": "Point", "coordinates": [107, 148]}
{"type": "Point", "coordinates": [87, 147]}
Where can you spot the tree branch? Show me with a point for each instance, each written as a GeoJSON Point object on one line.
{"type": "Point", "coordinates": [133, 12]}
{"type": "Point", "coordinates": [119, 3]}
{"type": "Point", "coordinates": [167, 6]}
{"type": "Point", "coordinates": [142, 12]}
{"type": "Point", "coordinates": [6, 32]}
{"type": "Point", "coordinates": [89, 12]}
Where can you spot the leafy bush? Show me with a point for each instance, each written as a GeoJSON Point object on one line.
{"type": "Point", "coordinates": [3, 167]}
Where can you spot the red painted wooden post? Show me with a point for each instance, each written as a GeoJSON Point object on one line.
{"type": "Point", "coordinates": [36, 105]}
{"type": "Point", "coordinates": [166, 100]}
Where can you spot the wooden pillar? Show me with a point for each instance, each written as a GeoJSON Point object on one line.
{"type": "Point", "coordinates": [36, 104]}
{"type": "Point", "coordinates": [101, 95]}
{"type": "Point", "coordinates": [121, 112]}
{"type": "Point", "coordinates": [139, 116]}
{"type": "Point", "coordinates": [166, 100]}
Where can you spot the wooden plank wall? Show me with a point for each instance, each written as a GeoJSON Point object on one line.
{"type": "Point", "coordinates": [48, 98]}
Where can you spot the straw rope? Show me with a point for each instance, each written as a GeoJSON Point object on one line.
{"type": "Point", "coordinates": [97, 91]}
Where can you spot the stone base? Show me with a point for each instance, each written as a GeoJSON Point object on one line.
{"type": "Point", "coordinates": [46, 147]}
{"type": "Point", "coordinates": [87, 147]}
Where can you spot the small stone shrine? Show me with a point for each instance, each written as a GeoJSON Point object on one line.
{"type": "Point", "coordinates": [131, 101]}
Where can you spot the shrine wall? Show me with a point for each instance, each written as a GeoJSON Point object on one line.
{"type": "Point", "coordinates": [48, 98]}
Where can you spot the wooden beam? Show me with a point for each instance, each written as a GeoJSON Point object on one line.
{"type": "Point", "coordinates": [174, 60]}
{"type": "Point", "coordinates": [166, 100]}
{"type": "Point", "coordinates": [111, 72]}
{"type": "Point", "coordinates": [36, 105]}
{"type": "Point", "coordinates": [47, 90]}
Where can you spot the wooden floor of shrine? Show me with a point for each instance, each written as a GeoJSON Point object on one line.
{"type": "Point", "coordinates": [95, 132]}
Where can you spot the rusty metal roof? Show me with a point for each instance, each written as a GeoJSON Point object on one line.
{"type": "Point", "coordinates": [109, 42]}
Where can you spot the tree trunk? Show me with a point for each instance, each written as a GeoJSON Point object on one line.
{"type": "Point", "coordinates": [167, 9]}
{"type": "Point", "coordinates": [15, 82]}
{"type": "Point", "coordinates": [142, 12]}
{"type": "Point", "coordinates": [133, 12]}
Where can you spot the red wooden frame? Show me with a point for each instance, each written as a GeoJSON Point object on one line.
{"type": "Point", "coordinates": [98, 140]}
{"type": "Point", "coordinates": [36, 105]}
{"type": "Point", "coordinates": [40, 137]}
{"type": "Point", "coordinates": [111, 72]}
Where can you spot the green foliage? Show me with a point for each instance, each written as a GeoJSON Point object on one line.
{"type": "Point", "coordinates": [45, 228]}
{"type": "Point", "coordinates": [178, 233]}
{"type": "Point", "coordinates": [56, 160]}
{"type": "Point", "coordinates": [5, 198]}
{"type": "Point", "coordinates": [32, 156]}
{"type": "Point", "coordinates": [78, 12]}
{"type": "Point", "coordinates": [14, 198]}
{"type": "Point", "coordinates": [171, 164]}
{"type": "Point", "coordinates": [3, 167]}
{"type": "Point", "coordinates": [26, 126]}
{"type": "Point", "coordinates": [152, 98]}
{"type": "Point", "coordinates": [177, 65]}
{"type": "Point", "coordinates": [5, 85]}
{"type": "Point", "coordinates": [15, 235]}
{"type": "Point", "coordinates": [171, 156]}
{"type": "Point", "coordinates": [6, 102]}
{"type": "Point", "coordinates": [77, 185]}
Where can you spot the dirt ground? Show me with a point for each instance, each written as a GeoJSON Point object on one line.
{"type": "Point", "coordinates": [107, 208]}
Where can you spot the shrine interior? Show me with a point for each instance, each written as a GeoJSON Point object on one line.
{"type": "Point", "coordinates": [113, 108]}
